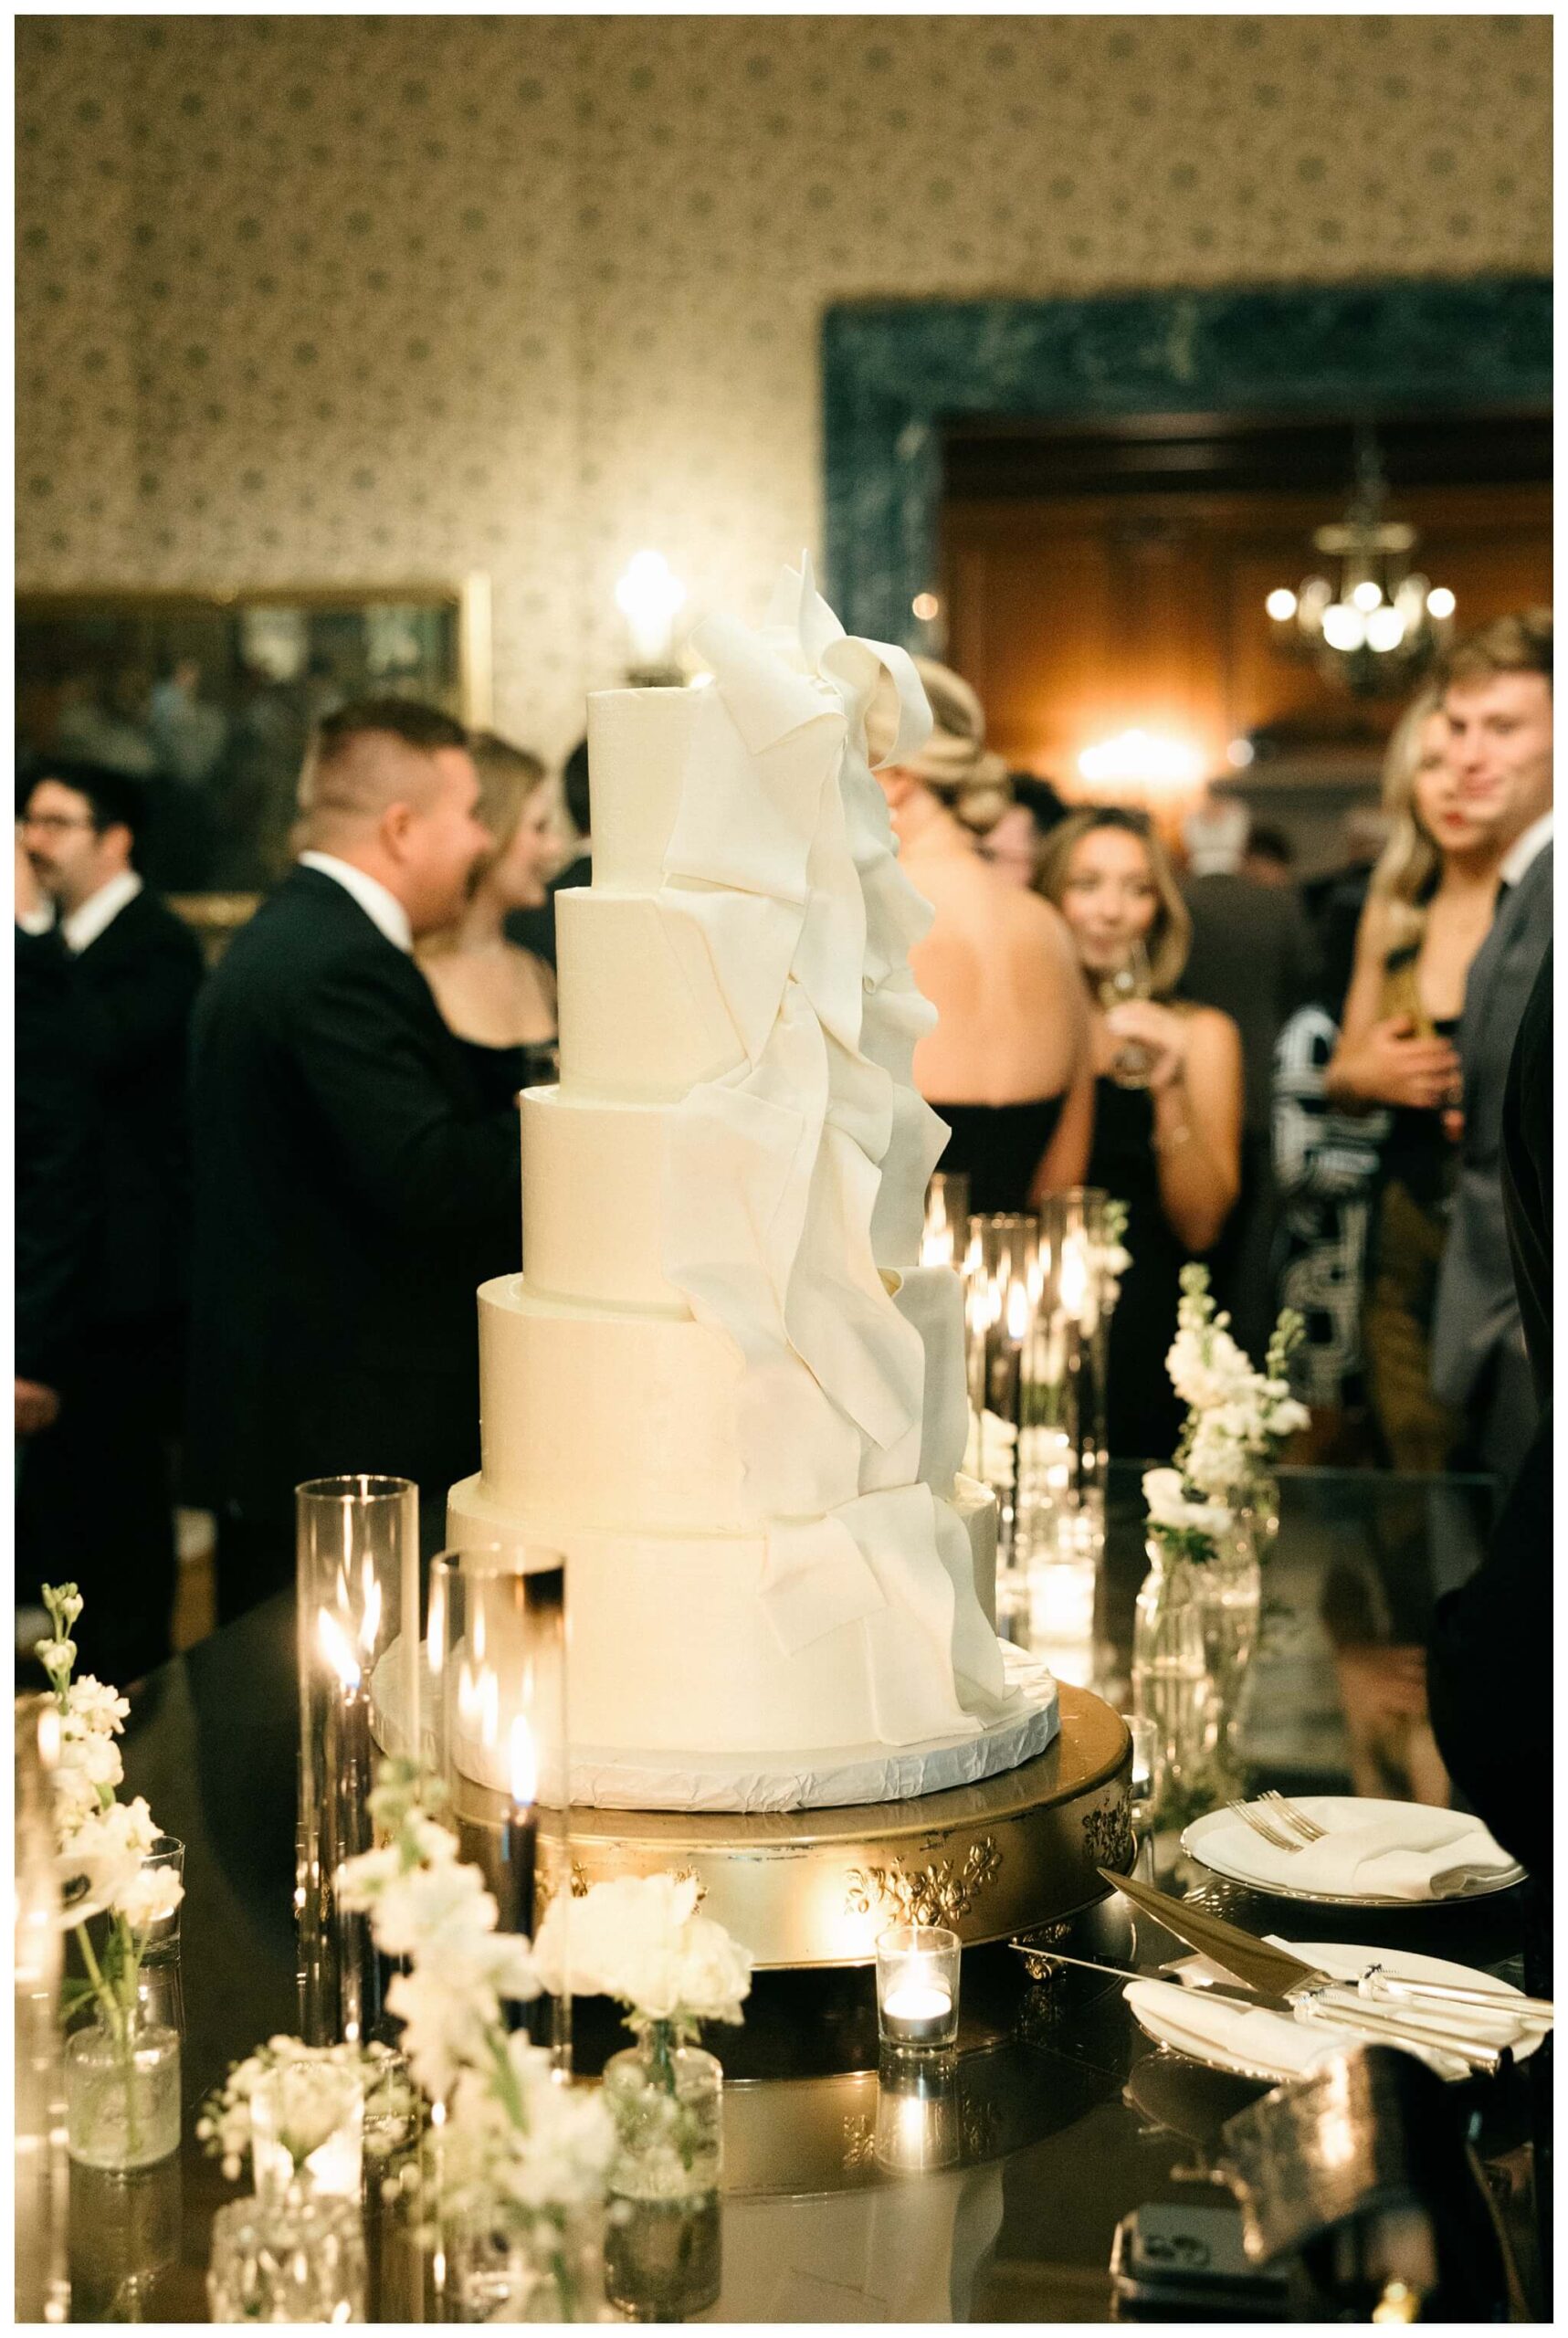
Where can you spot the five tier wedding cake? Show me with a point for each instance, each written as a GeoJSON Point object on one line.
{"type": "Point", "coordinates": [723, 1385]}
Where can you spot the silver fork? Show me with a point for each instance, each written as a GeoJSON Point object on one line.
{"type": "Point", "coordinates": [1289, 1816]}
{"type": "Point", "coordinates": [1261, 1826]}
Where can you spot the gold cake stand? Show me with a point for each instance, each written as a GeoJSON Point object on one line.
{"type": "Point", "coordinates": [816, 1887]}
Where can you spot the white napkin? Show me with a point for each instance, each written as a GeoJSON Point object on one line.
{"type": "Point", "coordinates": [1396, 1854]}
{"type": "Point", "coordinates": [1271, 2041]}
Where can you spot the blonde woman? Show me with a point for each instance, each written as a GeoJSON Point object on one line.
{"type": "Point", "coordinates": [1007, 1064]}
{"type": "Point", "coordinates": [1168, 1095]}
{"type": "Point", "coordinates": [1428, 909]}
{"type": "Point", "coordinates": [498, 1000]}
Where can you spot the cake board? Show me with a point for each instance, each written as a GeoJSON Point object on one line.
{"type": "Point", "coordinates": [814, 1887]}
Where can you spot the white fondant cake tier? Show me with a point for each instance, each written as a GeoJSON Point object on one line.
{"type": "Point", "coordinates": [628, 1420]}
{"type": "Point", "coordinates": [612, 1420]}
{"type": "Point", "coordinates": [593, 1178]}
{"type": "Point", "coordinates": [592, 1183]}
{"type": "Point", "coordinates": [642, 1016]}
{"type": "Point", "coordinates": [640, 746]}
{"type": "Point", "coordinates": [670, 1643]}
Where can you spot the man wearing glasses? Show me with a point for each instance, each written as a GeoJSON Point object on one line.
{"type": "Point", "coordinates": [118, 974]}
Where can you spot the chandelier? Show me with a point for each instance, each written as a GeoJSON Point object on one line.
{"type": "Point", "coordinates": [1373, 621]}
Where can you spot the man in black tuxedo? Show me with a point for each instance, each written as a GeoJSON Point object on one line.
{"type": "Point", "coordinates": [351, 1191]}
{"type": "Point", "coordinates": [535, 928]}
{"type": "Point", "coordinates": [117, 973]}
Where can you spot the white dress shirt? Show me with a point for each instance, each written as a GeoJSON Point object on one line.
{"type": "Point", "coordinates": [90, 918]}
{"type": "Point", "coordinates": [1526, 849]}
{"type": "Point", "coordinates": [382, 907]}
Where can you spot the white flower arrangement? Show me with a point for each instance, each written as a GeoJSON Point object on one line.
{"type": "Point", "coordinates": [1188, 1525]}
{"type": "Point", "coordinates": [426, 1905]}
{"type": "Point", "coordinates": [1113, 1258]}
{"type": "Point", "coordinates": [640, 1939]}
{"type": "Point", "coordinates": [101, 1844]}
{"type": "Point", "coordinates": [1237, 1418]}
{"type": "Point", "coordinates": [223, 2124]}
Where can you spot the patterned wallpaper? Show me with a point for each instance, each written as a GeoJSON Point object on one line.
{"type": "Point", "coordinates": [315, 298]}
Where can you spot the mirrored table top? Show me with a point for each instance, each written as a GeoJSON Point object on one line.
{"type": "Point", "coordinates": [851, 2194]}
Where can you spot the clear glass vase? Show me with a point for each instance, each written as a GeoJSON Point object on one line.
{"type": "Point", "coordinates": [299, 2257]}
{"type": "Point", "coordinates": [1171, 1681]}
{"type": "Point", "coordinates": [502, 2268]}
{"type": "Point", "coordinates": [122, 2092]}
{"type": "Point", "coordinates": [663, 2259]}
{"type": "Point", "coordinates": [1257, 1512]}
{"type": "Point", "coordinates": [667, 2102]}
{"type": "Point", "coordinates": [1230, 1596]}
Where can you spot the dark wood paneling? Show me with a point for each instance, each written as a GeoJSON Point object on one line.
{"type": "Point", "coordinates": [1076, 616]}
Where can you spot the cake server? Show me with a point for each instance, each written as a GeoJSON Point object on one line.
{"type": "Point", "coordinates": [1314, 1995]}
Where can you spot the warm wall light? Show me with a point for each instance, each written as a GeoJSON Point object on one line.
{"type": "Point", "coordinates": [650, 597]}
{"type": "Point", "coordinates": [925, 606]}
{"type": "Point", "coordinates": [1138, 759]}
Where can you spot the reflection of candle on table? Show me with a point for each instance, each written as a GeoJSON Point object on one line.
{"type": "Point", "coordinates": [916, 2012]}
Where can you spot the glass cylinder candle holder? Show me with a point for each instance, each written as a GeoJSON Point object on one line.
{"type": "Point", "coordinates": [41, 2178]}
{"type": "Point", "coordinates": [358, 1626]}
{"type": "Point", "coordinates": [495, 1690]}
{"type": "Point", "coordinates": [1001, 1304]}
{"type": "Point", "coordinates": [306, 2125]}
{"type": "Point", "coordinates": [917, 1988]}
{"type": "Point", "coordinates": [167, 1856]}
{"type": "Point", "coordinates": [1068, 1369]}
{"type": "Point", "coordinates": [945, 1239]}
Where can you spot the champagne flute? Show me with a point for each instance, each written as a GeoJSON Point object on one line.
{"type": "Point", "coordinates": [1132, 979]}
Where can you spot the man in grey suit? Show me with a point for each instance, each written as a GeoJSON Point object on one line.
{"type": "Point", "coordinates": [1496, 694]}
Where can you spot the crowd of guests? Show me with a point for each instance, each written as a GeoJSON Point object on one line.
{"type": "Point", "coordinates": [253, 1206]}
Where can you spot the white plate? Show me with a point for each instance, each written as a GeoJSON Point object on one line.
{"type": "Point", "coordinates": [1351, 1960]}
{"type": "Point", "coordinates": [1328, 1808]}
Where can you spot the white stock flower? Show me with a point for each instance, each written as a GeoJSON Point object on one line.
{"type": "Point", "coordinates": [1168, 1504]}
{"type": "Point", "coordinates": [429, 1909]}
{"type": "Point", "coordinates": [95, 1758]}
{"type": "Point", "coordinates": [107, 1848]}
{"type": "Point", "coordinates": [151, 1896]}
{"type": "Point", "coordinates": [639, 1939]}
{"type": "Point", "coordinates": [445, 2029]}
{"type": "Point", "coordinates": [55, 1655]}
{"type": "Point", "coordinates": [92, 1705]}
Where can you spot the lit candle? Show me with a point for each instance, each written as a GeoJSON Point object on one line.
{"type": "Point", "coordinates": [917, 1986]}
{"type": "Point", "coordinates": [917, 2013]}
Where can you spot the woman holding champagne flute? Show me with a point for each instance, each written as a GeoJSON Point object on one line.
{"type": "Point", "coordinates": [1168, 1095]}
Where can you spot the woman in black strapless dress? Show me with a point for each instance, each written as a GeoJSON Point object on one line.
{"type": "Point", "coordinates": [1167, 1101]}
{"type": "Point", "coordinates": [1007, 1064]}
{"type": "Point", "coordinates": [498, 1000]}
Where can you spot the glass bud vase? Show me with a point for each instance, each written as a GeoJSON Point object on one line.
{"type": "Point", "coordinates": [1170, 1679]}
{"type": "Point", "coordinates": [122, 2092]}
{"type": "Point", "coordinates": [666, 2102]}
{"type": "Point", "coordinates": [1230, 1596]}
{"type": "Point", "coordinates": [1258, 1512]}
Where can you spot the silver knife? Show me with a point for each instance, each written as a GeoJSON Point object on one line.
{"type": "Point", "coordinates": [1314, 1995]}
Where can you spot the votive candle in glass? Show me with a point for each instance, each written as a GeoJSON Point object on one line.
{"type": "Point", "coordinates": [917, 1988]}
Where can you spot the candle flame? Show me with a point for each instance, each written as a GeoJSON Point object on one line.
{"type": "Point", "coordinates": [1018, 1310]}
{"type": "Point", "coordinates": [524, 1764]}
{"type": "Point", "coordinates": [337, 1647]}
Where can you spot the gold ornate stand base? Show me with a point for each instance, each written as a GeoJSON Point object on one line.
{"type": "Point", "coordinates": [815, 1886]}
